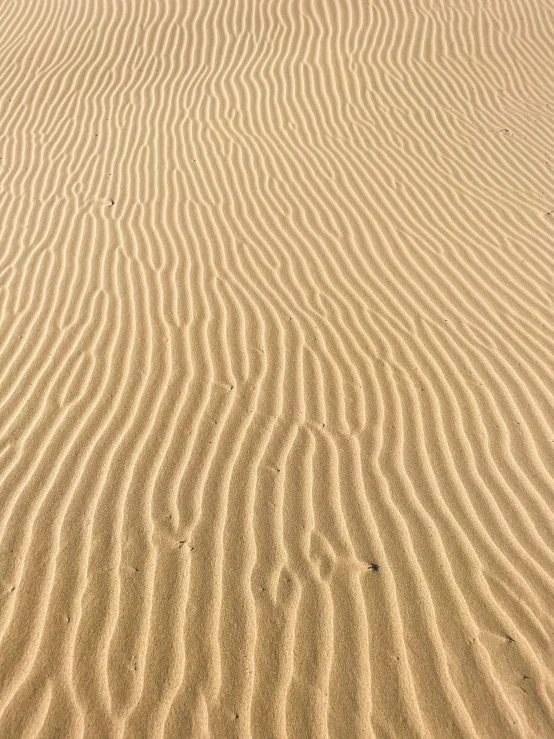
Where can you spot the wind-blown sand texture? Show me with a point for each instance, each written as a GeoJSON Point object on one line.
{"type": "Point", "coordinates": [276, 380]}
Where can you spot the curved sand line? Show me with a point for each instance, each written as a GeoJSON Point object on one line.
{"type": "Point", "coordinates": [276, 384]}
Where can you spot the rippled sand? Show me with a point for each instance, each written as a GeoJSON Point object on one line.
{"type": "Point", "coordinates": [276, 378]}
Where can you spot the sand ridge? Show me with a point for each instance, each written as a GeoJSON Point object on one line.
{"type": "Point", "coordinates": [276, 398]}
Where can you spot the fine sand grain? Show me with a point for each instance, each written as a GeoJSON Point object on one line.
{"type": "Point", "coordinates": [276, 377]}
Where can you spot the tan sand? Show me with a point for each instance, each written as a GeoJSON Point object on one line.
{"type": "Point", "coordinates": [276, 378]}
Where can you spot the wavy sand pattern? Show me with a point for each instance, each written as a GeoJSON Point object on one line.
{"type": "Point", "coordinates": [276, 379]}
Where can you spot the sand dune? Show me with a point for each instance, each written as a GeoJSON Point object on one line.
{"type": "Point", "coordinates": [276, 379]}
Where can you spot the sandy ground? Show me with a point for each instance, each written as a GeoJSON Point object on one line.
{"type": "Point", "coordinates": [276, 378]}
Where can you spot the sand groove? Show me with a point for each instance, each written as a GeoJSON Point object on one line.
{"type": "Point", "coordinates": [276, 383]}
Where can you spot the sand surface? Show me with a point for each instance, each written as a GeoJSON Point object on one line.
{"type": "Point", "coordinates": [276, 377]}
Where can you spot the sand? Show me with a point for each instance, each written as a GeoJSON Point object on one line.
{"type": "Point", "coordinates": [276, 378]}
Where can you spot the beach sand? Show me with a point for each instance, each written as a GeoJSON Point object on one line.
{"type": "Point", "coordinates": [276, 378]}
